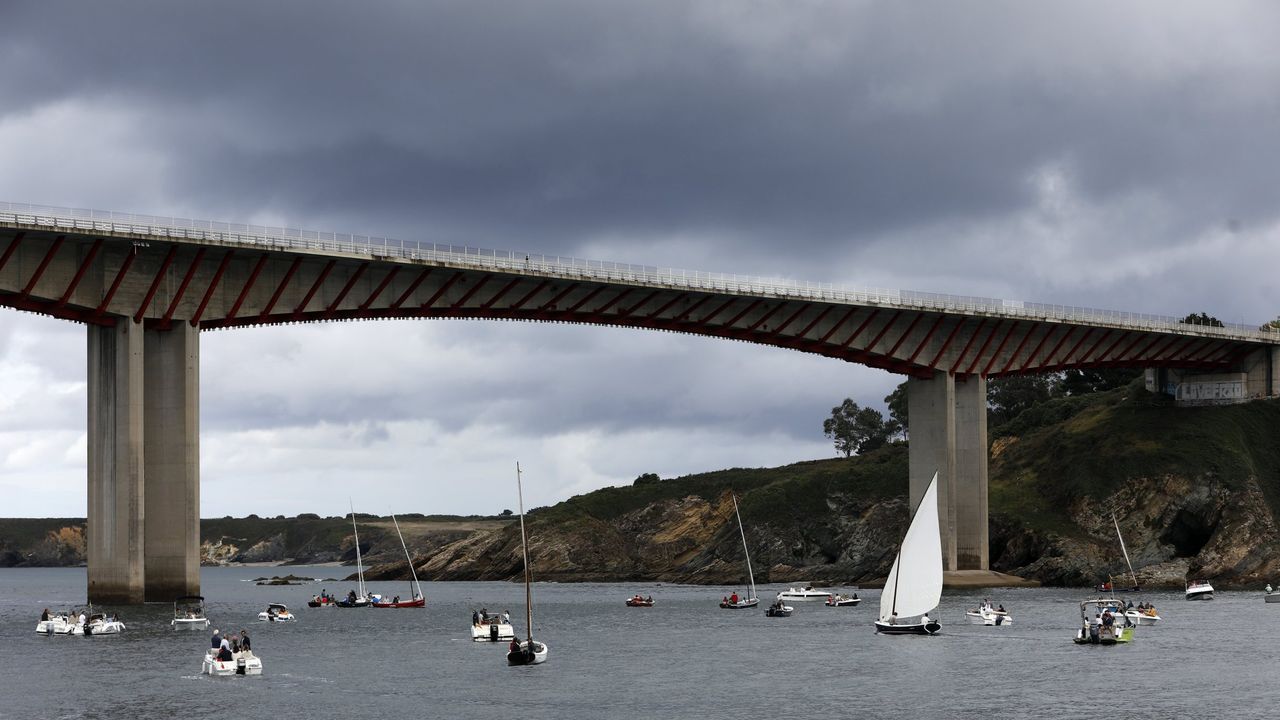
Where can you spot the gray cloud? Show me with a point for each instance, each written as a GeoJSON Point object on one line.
{"type": "Point", "coordinates": [1083, 154]}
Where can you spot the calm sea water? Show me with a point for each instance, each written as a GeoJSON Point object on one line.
{"type": "Point", "coordinates": [684, 658]}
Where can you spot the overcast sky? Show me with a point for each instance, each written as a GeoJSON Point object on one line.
{"type": "Point", "coordinates": [1124, 156]}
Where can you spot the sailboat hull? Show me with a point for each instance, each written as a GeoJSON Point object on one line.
{"type": "Point", "coordinates": [420, 602]}
{"type": "Point", "coordinates": [524, 657]}
{"type": "Point", "coordinates": [915, 628]}
{"type": "Point", "coordinates": [740, 605]}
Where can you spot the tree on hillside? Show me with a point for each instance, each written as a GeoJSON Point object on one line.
{"type": "Point", "coordinates": [1201, 319]}
{"type": "Point", "coordinates": [897, 403]}
{"type": "Point", "coordinates": [1272, 326]}
{"type": "Point", "coordinates": [1008, 396]}
{"type": "Point", "coordinates": [1083, 382]}
{"type": "Point", "coordinates": [855, 429]}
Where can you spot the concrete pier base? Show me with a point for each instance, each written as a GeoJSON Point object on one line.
{"type": "Point", "coordinates": [116, 502]}
{"type": "Point", "coordinates": [948, 418]}
{"type": "Point", "coordinates": [144, 472]}
{"type": "Point", "coordinates": [172, 462]}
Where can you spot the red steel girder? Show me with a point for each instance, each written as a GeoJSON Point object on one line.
{"type": "Point", "coordinates": [558, 296]}
{"type": "Point", "coordinates": [315, 287]}
{"type": "Point", "coordinates": [857, 331]}
{"type": "Point", "coordinates": [1122, 337]}
{"type": "Point", "coordinates": [382, 285]}
{"type": "Point", "coordinates": [1142, 353]}
{"type": "Point", "coordinates": [1175, 349]}
{"type": "Point", "coordinates": [155, 283]}
{"type": "Point", "coordinates": [213, 284]}
{"type": "Point", "coordinates": [529, 295]}
{"type": "Point", "coordinates": [929, 336]}
{"type": "Point", "coordinates": [1138, 337]}
{"type": "Point", "coordinates": [951, 336]}
{"type": "Point", "coordinates": [52, 309]}
{"type": "Point", "coordinates": [13, 246]}
{"type": "Point", "coordinates": [284, 282]}
{"type": "Point", "coordinates": [409, 291]}
{"type": "Point", "coordinates": [684, 316]}
{"type": "Point", "coordinates": [248, 284]}
{"type": "Point", "coordinates": [764, 318]}
{"type": "Point", "coordinates": [342, 294]}
{"type": "Point", "coordinates": [888, 324]}
{"type": "Point", "coordinates": [475, 287]}
{"type": "Point", "coordinates": [182, 288]}
{"type": "Point", "coordinates": [986, 369]}
{"type": "Point", "coordinates": [501, 292]}
{"type": "Point", "coordinates": [585, 298]}
{"type": "Point", "coordinates": [718, 310]}
{"type": "Point", "coordinates": [665, 306]}
{"type": "Point", "coordinates": [84, 267]}
{"type": "Point", "coordinates": [1097, 344]}
{"type": "Point", "coordinates": [600, 311]}
{"type": "Point", "coordinates": [787, 323]}
{"type": "Point", "coordinates": [431, 301]}
{"type": "Point", "coordinates": [910, 327]}
{"type": "Point", "coordinates": [995, 329]}
{"type": "Point", "coordinates": [1048, 358]}
{"type": "Point", "coordinates": [1067, 356]}
{"type": "Point", "coordinates": [1021, 344]}
{"type": "Point", "coordinates": [44, 264]}
{"type": "Point", "coordinates": [739, 316]}
{"type": "Point", "coordinates": [626, 312]}
{"type": "Point", "coordinates": [817, 319]}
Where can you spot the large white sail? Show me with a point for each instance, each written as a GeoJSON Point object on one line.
{"type": "Point", "coordinates": [914, 586]}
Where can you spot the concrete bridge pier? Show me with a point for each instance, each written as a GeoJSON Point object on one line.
{"type": "Point", "coordinates": [948, 418]}
{"type": "Point", "coordinates": [144, 475]}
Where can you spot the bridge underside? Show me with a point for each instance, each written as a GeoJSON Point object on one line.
{"type": "Point", "coordinates": [145, 299]}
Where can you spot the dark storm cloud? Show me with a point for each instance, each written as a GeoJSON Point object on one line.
{"type": "Point", "coordinates": [543, 127]}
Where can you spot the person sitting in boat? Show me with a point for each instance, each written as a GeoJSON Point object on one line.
{"type": "Point", "coordinates": [1107, 618]}
{"type": "Point", "coordinates": [395, 600]}
{"type": "Point", "coordinates": [1129, 606]}
{"type": "Point", "coordinates": [649, 599]}
{"type": "Point", "coordinates": [235, 643]}
{"type": "Point", "coordinates": [224, 651]}
{"type": "Point", "coordinates": [515, 644]}
{"type": "Point", "coordinates": [475, 618]}
{"type": "Point", "coordinates": [893, 619]}
{"type": "Point", "coordinates": [1001, 608]}
{"type": "Point", "coordinates": [484, 615]}
{"type": "Point", "coordinates": [351, 596]}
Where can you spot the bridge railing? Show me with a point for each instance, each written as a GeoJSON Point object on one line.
{"type": "Point", "coordinates": [286, 238]}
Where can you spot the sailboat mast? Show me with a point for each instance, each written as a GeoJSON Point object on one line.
{"type": "Point", "coordinates": [417, 588]}
{"type": "Point", "coordinates": [745, 552]}
{"type": "Point", "coordinates": [524, 545]}
{"type": "Point", "coordinates": [1132, 574]}
{"type": "Point", "coordinates": [359, 563]}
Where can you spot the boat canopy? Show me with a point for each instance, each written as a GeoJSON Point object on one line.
{"type": "Point", "coordinates": [276, 606]}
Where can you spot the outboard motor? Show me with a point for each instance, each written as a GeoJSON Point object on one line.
{"type": "Point", "coordinates": [493, 632]}
{"type": "Point", "coordinates": [240, 666]}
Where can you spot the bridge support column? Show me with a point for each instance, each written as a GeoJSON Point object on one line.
{"type": "Point", "coordinates": [116, 502]}
{"type": "Point", "coordinates": [971, 473]}
{"type": "Point", "coordinates": [172, 462]}
{"type": "Point", "coordinates": [931, 409]}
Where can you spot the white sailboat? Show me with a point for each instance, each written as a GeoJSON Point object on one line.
{"type": "Point", "coordinates": [360, 596]}
{"type": "Point", "coordinates": [914, 585]}
{"type": "Point", "coordinates": [419, 600]}
{"type": "Point", "coordinates": [526, 652]}
{"type": "Point", "coordinates": [733, 602]}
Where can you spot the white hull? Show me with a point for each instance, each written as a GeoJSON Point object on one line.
{"type": "Point", "coordinates": [991, 617]}
{"type": "Point", "coordinates": [1200, 594]}
{"type": "Point", "coordinates": [55, 626]}
{"type": "Point", "coordinates": [276, 617]}
{"type": "Point", "coordinates": [497, 632]}
{"type": "Point", "coordinates": [108, 627]}
{"type": "Point", "coordinates": [241, 663]}
{"type": "Point", "coordinates": [199, 623]}
{"type": "Point", "coordinates": [1139, 618]}
{"type": "Point", "coordinates": [1273, 597]}
{"type": "Point", "coordinates": [805, 595]}
{"type": "Point", "coordinates": [539, 653]}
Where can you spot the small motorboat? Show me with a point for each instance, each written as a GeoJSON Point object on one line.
{"type": "Point", "coordinates": [638, 601]}
{"type": "Point", "coordinates": [324, 599]}
{"type": "Point", "coordinates": [241, 663]}
{"type": "Point", "coordinates": [987, 615]}
{"type": "Point", "coordinates": [524, 656]}
{"type": "Point", "coordinates": [492, 629]}
{"type": "Point", "coordinates": [1272, 596]}
{"type": "Point", "coordinates": [56, 624]}
{"type": "Point", "coordinates": [1096, 630]}
{"type": "Point", "coordinates": [97, 623]}
{"type": "Point", "coordinates": [804, 594]}
{"type": "Point", "coordinates": [276, 612]}
{"type": "Point", "coordinates": [777, 609]}
{"type": "Point", "coordinates": [838, 600]}
{"type": "Point", "coordinates": [1197, 590]}
{"type": "Point", "coordinates": [188, 612]}
{"type": "Point", "coordinates": [1142, 614]}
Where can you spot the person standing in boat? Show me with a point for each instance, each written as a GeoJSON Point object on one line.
{"type": "Point", "coordinates": [244, 640]}
{"type": "Point", "coordinates": [216, 642]}
{"type": "Point", "coordinates": [733, 599]}
{"type": "Point", "coordinates": [506, 616]}
{"type": "Point", "coordinates": [44, 616]}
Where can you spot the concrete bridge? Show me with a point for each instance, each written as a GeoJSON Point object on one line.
{"type": "Point", "coordinates": [145, 287]}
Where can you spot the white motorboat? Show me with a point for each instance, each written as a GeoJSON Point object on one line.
{"type": "Point", "coordinates": [1272, 596]}
{"type": "Point", "coordinates": [986, 615]}
{"type": "Point", "coordinates": [777, 609]}
{"type": "Point", "coordinates": [526, 652]}
{"type": "Point", "coordinates": [241, 663]}
{"type": "Point", "coordinates": [1094, 626]}
{"type": "Point", "coordinates": [56, 624]}
{"type": "Point", "coordinates": [1197, 590]}
{"type": "Point", "coordinates": [495, 629]}
{"type": "Point", "coordinates": [734, 601]}
{"type": "Point", "coordinates": [276, 612]}
{"type": "Point", "coordinates": [914, 585]}
{"type": "Point", "coordinates": [804, 594]}
{"type": "Point", "coordinates": [839, 600]}
{"type": "Point", "coordinates": [188, 612]}
{"type": "Point", "coordinates": [98, 624]}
